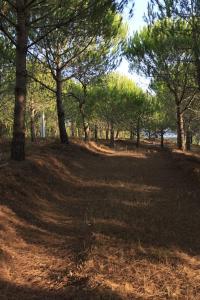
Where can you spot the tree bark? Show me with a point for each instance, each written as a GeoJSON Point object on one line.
{"type": "Point", "coordinates": [72, 129]}
{"type": "Point", "coordinates": [188, 139]}
{"type": "Point", "coordinates": [162, 138]}
{"type": "Point", "coordinates": [100, 133]}
{"type": "Point", "coordinates": [191, 138]}
{"type": "Point", "coordinates": [85, 124]}
{"type": "Point", "coordinates": [180, 129]}
{"type": "Point", "coordinates": [79, 133]}
{"type": "Point", "coordinates": [112, 134]}
{"type": "Point", "coordinates": [107, 133]}
{"type": "Point", "coordinates": [196, 50]}
{"type": "Point", "coordinates": [86, 132]}
{"type": "Point", "coordinates": [60, 110]}
{"type": "Point", "coordinates": [132, 133]}
{"type": "Point", "coordinates": [33, 135]}
{"type": "Point", "coordinates": [95, 133]}
{"type": "Point", "coordinates": [117, 134]}
{"type": "Point", "coordinates": [138, 133]}
{"type": "Point", "coordinates": [18, 140]}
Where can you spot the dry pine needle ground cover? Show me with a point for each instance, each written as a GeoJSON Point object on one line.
{"type": "Point", "coordinates": [83, 222]}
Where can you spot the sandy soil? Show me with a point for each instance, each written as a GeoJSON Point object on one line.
{"type": "Point", "coordinates": [91, 223]}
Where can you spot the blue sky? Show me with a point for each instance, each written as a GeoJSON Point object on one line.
{"type": "Point", "coordinates": [134, 24]}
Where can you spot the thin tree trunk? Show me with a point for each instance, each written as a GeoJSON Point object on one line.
{"type": "Point", "coordinates": [131, 135]}
{"type": "Point", "coordinates": [138, 133]}
{"type": "Point", "coordinates": [43, 126]}
{"type": "Point", "coordinates": [85, 124]}
{"type": "Point", "coordinates": [162, 138]}
{"type": "Point", "coordinates": [18, 140]}
{"type": "Point", "coordinates": [188, 139]}
{"type": "Point", "coordinates": [79, 133]}
{"type": "Point", "coordinates": [33, 135]}
{"type": "Point", "coordinates": [86, 132]}
{"type": "Point", "coordinates": [191, 138]}
{"type": "Point", "coordinates": [117, 134]}
{"type": "Point", "coordinates": [1, 130]}
{"type": "Point", "coordinates": [107, 133]}
{"type": "Point", "coordinates": [180, 129]}
{"type": "Point", "coordinates": [196, 51]}
{"type": "Point", "coordinates": [72, 129]}
{"type": "Point", "coordinates": [95, 133]}
{"type": "Point", "coordinates": [112, 134]}
{"type": "Point", "coordinates": [100, 133]}
{"type": "Point", "coordinates": [60, 109]}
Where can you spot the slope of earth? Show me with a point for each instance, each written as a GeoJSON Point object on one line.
{"type": "Point", "coordinates": [83, 222]}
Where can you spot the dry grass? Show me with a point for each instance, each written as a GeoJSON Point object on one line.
{"type": "Point", "coordinates": [88, 222]}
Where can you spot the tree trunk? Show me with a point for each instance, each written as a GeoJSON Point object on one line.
{"type": "Point", "coordinates": [101, 133]}
{"type": "Point", "coordinates": [188, 139]}
{"type": "Point", "coordinates": [117, 134]}
{"type": "Point", "coordinates": [195, 49]}
{"type": "Point", "coordinates": [138, 133]}
{"type": "Point", "coordinates": [107, 133]}
{"type": "Point", "coordinates": [112, 134]}
{"type": "Point", "coordinates": [180, 129]}
{"type": "Point", "coordinates": [72, 129]}
{"type": "Point", "coordinates": [33, 135]}
{"type": "Point", "coordinates": [43, 126]}
{"type": "Point", "coordinates": [79, 133]}
{"type": "Point", "coordinates": [131, 135]}
{"type": "Point", "coordinates": [191, 138]}
{"type": "Point", "coordinates": [18, 140]}
{"type": "Point", "coordinates": [162, 138]}
{"type": "Point", "coordinates": [85, 124]}
{"type": "Point", "coordinates": [86, 132]}
{"type": "Point", "coordinates": [60, 109]}
{"type": "Point", "coordinates": [95, 133]}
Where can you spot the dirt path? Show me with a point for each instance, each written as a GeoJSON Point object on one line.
{"type": "Point", "coordinates": [81, 224]}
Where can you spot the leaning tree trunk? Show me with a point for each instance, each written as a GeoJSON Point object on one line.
{"type": "Point", "coordinates": [180, 129]}
{"type": "Point", "coordinates": [18, 140]}
{"type": "Point", "coordinates": [60, 109]}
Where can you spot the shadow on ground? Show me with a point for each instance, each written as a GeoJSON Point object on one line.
{"type": "Point", "coordinates": [67, 207]}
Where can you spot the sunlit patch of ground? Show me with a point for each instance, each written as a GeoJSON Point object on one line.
{"type": "Point", "coordinates": [89, 222]}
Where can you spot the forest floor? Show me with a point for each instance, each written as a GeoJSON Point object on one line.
{"type": "Point", "coordinates": [86, 222]}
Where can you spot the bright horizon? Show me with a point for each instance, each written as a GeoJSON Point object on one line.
{"type": "Point", "coordinates": [136, 23]}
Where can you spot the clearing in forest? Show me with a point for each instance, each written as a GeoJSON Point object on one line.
{"type": "Point", "coordinates": [83, 222]}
